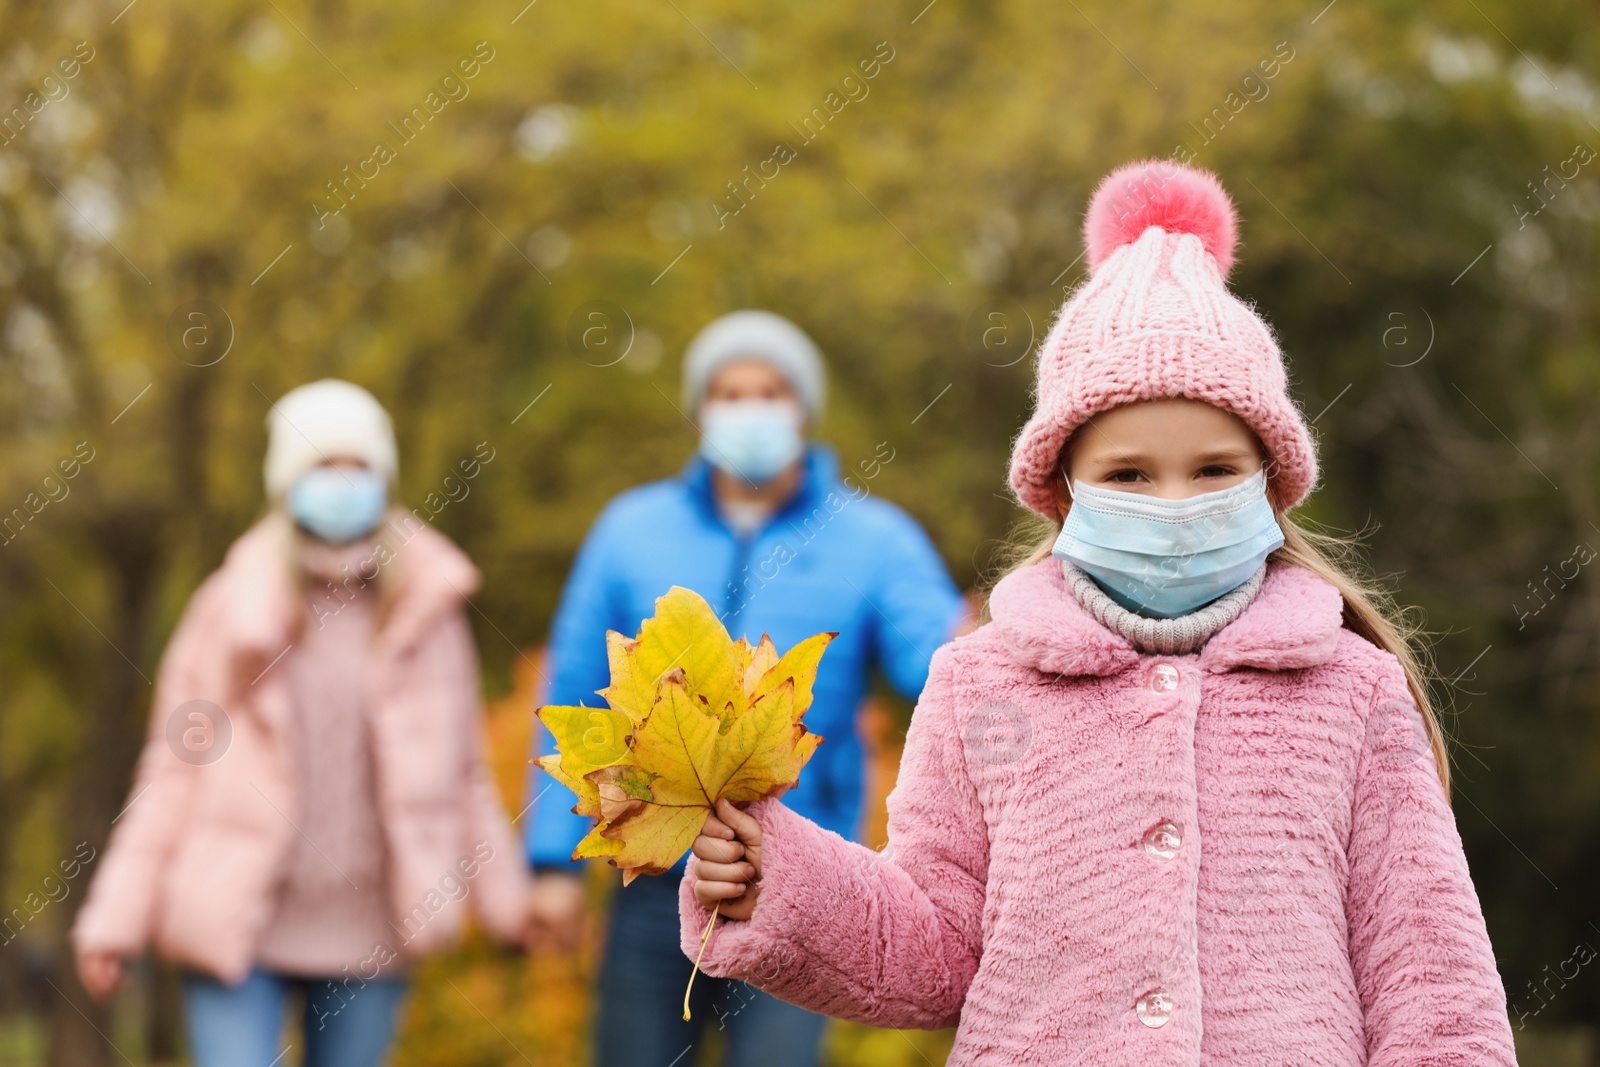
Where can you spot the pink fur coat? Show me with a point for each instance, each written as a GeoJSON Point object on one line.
{"type": "Point", "coordinates": [196, 859]}
{"type": "Point", "coordinates": [1237, 858]}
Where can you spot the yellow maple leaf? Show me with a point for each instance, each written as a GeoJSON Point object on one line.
{"type": "Point", "coordinates": [683, 633]}
{"type": "Point", "coordinates": [693, 717]}
{"type": "Point", "coordinates": [594, 738]}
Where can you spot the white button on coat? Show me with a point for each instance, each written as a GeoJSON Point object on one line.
{"type": "Point", "coordinates": [1163, 840]}
{"type": "Point", "coordinates": [1163, 677]}
{"type": "Point", "coordinates": [1154, 1008]}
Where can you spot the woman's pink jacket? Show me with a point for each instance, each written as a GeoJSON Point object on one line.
{"type": "Point", "coordinates": [1238, 858]}
{"type": "Point", "coordinates": [195, 858]}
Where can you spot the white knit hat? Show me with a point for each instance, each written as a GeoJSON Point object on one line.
{"type": "Point", "coordinates": [326, 420]}
{"type": "Point", "coordinates": [752, 334]}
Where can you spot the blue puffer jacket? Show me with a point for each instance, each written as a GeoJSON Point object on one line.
{"type": "Point", "coordinates": [833, 558]}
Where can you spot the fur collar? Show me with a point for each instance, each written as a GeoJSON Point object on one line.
{"type": "Point", "coordinates": [1293, 622]}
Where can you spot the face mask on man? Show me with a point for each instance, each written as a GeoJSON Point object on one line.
{"type": "Point", "coordinates": [338, 504]}
{"type": "Point", "coordinates": [1165, 558]}
{"type": "Point", "coordinates": [753, 440]}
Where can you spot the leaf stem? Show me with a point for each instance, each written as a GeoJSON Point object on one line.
{"type": "Point", "coordinates": [705, 939]}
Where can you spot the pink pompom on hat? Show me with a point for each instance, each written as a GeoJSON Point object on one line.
{"type": "Point", "coordinates": [1156, 319]}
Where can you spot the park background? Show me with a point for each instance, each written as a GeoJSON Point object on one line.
{"type": "Point", "coordinates": [521, 269]}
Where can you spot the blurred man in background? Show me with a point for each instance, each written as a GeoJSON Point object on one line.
{"type": "Point", "coordinates": [760, 523]}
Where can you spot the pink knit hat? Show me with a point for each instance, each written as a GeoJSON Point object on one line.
{"type": "Point", "coordinates": [1155, 319]}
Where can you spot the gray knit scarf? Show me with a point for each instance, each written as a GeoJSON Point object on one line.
{"type": "Point", "coordinates": [1168, 637]}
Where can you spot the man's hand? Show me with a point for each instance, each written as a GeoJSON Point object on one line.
{"type": "Point", "coordinates": [555, 912]}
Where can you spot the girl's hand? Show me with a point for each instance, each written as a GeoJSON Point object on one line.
{"type": "Point", "coordinates": [728, 862]}
{"type": "Point", "coordinates": [100, 973]}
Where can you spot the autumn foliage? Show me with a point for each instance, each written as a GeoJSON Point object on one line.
{"type": "Point", "coordinates": [693, 717]}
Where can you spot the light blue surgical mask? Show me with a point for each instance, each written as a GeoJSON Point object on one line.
{"type": "Point", "coordinates": [338, 504]}
{"type": "Point", "coordinates": [1165, 558]}
{"type": "Point", "coordinates": [751, 439]}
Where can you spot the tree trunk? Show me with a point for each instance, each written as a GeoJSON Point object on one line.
{"type": "Point", "coordinates": [79, 1032]}
{"type": "Point", "coordinates": [165, 1018]}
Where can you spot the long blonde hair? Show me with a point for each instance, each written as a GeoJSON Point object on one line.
{"type": "Point", "coordinates": [388, 581]}
{"type": "Point", "coordinates": [1370, 609]}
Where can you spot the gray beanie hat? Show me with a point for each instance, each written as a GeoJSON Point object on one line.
{"type": "Point", "coordinates": [772, 339]}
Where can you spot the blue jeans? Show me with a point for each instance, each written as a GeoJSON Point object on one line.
{"type": "Point", "coordinates": [642, 979]}
{"type": "Point", "coordinates": [347, 1023]}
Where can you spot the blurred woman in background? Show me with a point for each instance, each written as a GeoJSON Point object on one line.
{"type": "Point", "coordinates": [312, 807]}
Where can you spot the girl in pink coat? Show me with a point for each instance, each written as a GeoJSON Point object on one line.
{"type": "Point", "coordinates": [1183, 800]}
{"type": "Point", "coordinates": [312, 809]}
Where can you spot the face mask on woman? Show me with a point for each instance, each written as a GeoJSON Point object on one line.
{"type": "Point", "coordinates": [751, 439]}
{"type": "Point", "coordinates": [1165, 558]}
{"type": "Point", "coordinates": [338, 504]}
